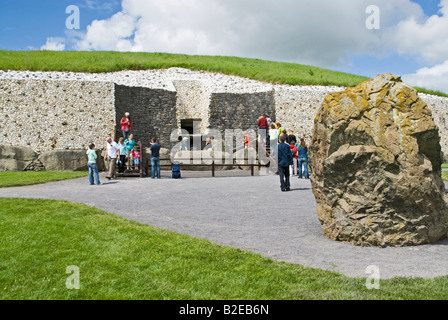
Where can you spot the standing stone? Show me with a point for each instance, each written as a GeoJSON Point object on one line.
{"type": "Point", "coordinates": [376, 161]}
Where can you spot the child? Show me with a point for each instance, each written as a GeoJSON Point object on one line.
{"type": "Point", "coordinates": [136, 156]}
{"type": "Point", "coordinates": [130, 144]}
{"type": "Point", "coordinates": [246, 140]}
{"type": "Point", "coordinates": [123, 154]}
{"type": "Point", "coordinates": [93, 168]}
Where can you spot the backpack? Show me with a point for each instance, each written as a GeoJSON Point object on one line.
{"type": "Point", "coordinates": [175, 174]}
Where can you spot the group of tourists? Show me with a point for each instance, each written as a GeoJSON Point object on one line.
{"type": "Point", "coordinates": [292, 154]}
{"type": "Point", "coordinates": [122, 155]}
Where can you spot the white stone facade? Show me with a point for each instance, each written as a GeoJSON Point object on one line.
{"type": "Point", "coordinates": [66, 110]}
{"type": "Point", "coordinates": [46, 115]}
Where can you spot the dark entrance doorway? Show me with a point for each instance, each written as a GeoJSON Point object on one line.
{"type": "Point", "coordinates": [193, 127]}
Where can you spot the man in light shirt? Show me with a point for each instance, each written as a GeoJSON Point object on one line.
{"type": "Point", "coordinates": [112, 153]}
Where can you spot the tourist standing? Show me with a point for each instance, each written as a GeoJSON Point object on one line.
{"type": "Point", "coordinates": [295, 158]}
{"type": "Point", "coordinates": [154, 150]}
{"type": "Point", "coordinates": [112, 153]}
{"type": "Point", "coordinates": [93, 168]}
{"type": "Point", "coordinates": [130, 144]}
{"type": "Point", "coordinates": [303, 159]}
{"type": "Point", "coordinates": [246, 142]}
{"type": "Point", "coordinates": [263, 123]}
{"type": "Point", "coordinates": [185, 146]}
{"type": "Point", "coordinates": [136, 157]}
{"type": "Point", "coordinates": [270, 121]}
{"type": "Point", "coordinates": [285, 159]}
{"type": "Point", "coordinates": [208, 144]}
{"type": "Point", "coordinates": [273, 140]}
{"type": "Point", "coordinates": [280, 129]}
{"type": "Point", "coordinates": [126, 125]}
{"type": "Point", "coordinates": [291, 137]}
{"type": "Point", "coordinates": [263, 128]}
{"type": "Point", "coordinates": [123, 154]}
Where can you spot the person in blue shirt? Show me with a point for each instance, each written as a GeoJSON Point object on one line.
{"type": "Point", "coordinates": [155, 158]}
{"type": "Point", "coordinates": [303, 159]}
{"type": "Point", "coordinates": [123, 154]}
{"type": "Point", "coordinates": [285, 159]}
{"type": "Point", "coordinates": [93, 168]}
{"type": "Point", "coordinates": [130, 144]}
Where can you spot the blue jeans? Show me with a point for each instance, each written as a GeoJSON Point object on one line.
{"type": "Point", "coordinates": [274, 148]}
{"type": "Point", "coordinates": [93, 170]}
{"type": "Point", "coordinates": [126, 134]}
{"type": "Point", "coordinates": [155, 167]}
{"type": "Point", "coordinates": [303, 162]}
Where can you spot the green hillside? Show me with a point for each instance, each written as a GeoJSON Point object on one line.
{"type": "Point", "coordinates": [106, 61]}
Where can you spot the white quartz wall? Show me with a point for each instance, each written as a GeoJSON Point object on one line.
{"type": "Point", "coordinates": [64, 110]}
{"type": "Point", "coordinates": [46, 115]}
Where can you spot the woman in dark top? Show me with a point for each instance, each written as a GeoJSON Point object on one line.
{"type": "Point", "coordinates": [291, 137]}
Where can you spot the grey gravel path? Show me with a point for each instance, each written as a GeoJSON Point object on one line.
{"type": "Point", "coordinates": [250, 213]}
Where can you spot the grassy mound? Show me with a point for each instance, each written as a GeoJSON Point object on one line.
{"type": "Point", "coordinates": [107, 61]}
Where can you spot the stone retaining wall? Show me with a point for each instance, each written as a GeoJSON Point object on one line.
{"type": "Point", "coordinates": [240, 111]}
{"type": "Point", "coordinates": [153, 112]}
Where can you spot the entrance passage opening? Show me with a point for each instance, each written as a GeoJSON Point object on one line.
{"type": "Point", "coordinates": [193, 127]}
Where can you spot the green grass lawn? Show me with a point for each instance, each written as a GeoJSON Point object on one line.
{"type": "Point", "coordinates": [106, 61]}
{"type": "Point", "coordinates": [122, 259]}
{"type": "Point", "coordinates": [24, 178]}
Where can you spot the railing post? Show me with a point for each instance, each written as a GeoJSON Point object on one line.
{"type": "Point", "coordinates": [140, 160]}
{"type": "Point", "coordinates": [146, 166]}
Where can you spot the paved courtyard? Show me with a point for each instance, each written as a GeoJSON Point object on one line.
{"type": "Point", "coordinates": [250, 213]}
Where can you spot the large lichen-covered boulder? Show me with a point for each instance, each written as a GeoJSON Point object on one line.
{"type": "Point", "coordinates": [376, 161]}
{"type": "Point", "coordinates": [14, 158]}
{"type": "Point", "coordinates": [64, 160]}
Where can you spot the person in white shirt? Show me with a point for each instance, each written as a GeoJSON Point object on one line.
{"type": "Point", "coordinates": [112, 153]}
{"type": "Point", "coordinates": [273, 140]}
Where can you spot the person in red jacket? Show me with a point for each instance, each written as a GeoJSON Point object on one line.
{"type": "Point", "coordinates": [295, 159]}
{"type": "Point", "coordinates": [263, 125]}
{"type": "Point", "coordinates": [126, 125]}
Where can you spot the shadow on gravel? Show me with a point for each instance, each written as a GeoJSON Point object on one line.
{"type": "Point", "coordinates": [443, 242]}
{"type": "Point", "coordinates": [300, 189]}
